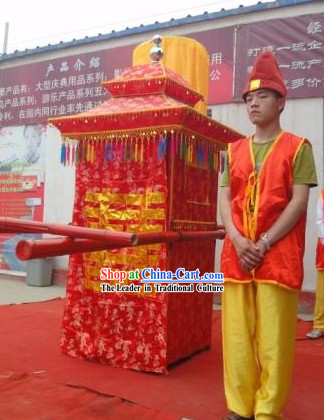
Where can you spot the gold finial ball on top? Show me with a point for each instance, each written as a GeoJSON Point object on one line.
{"type": "Point", "coordinates": [156, 52]}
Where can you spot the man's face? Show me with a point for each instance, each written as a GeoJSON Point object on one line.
{"type": "Point", "coordinates": [263, 107]}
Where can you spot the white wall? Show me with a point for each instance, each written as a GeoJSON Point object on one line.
{"type": "Point", "coordinates": [303, 117]}
{"type": "Point", "coordinates": [59, 187]}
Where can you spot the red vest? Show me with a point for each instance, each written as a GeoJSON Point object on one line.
{"type": "Point", "coordinates": [320, 246]}
{"type": "Point", "coordinates": [268, 194]}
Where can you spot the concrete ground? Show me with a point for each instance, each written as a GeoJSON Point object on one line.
{"type": "Point", "coordinates": [14, 290]}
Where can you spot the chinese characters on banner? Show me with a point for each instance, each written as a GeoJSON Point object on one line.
{"type": "Point", "coordinates": [70, 85]}
{"type": "Point", "coordinates": [35, 92]}
{"type": "Point", "coordinates": [219, 44]}
{"type": "Point", "coordinates": [298, 44]}
{"type": "Point", "coordinates": [21, 184]}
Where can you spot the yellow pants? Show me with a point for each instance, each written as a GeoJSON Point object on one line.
{"type": "Point", "coordinates": [259, 322]}
{"type": "Point", "coordinates": [319, 303]}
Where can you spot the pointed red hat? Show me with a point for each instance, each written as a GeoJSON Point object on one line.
{"type": "Point", "coordinates": [266, 74]}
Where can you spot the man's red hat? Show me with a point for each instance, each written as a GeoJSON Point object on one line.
{"type": "Point", "coordinates": [266, 75]}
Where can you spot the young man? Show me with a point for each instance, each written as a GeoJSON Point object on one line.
{"type": "Point", "coordinates": [318, 325]}
{"type": "Point", "coordinates": [263, 207]}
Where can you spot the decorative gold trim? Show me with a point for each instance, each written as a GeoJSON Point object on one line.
{"type": "Point", "coordinates": [171, 180]}
{"type": "Point", "coordinates": [143, 78]}
{"type": "Point", "coordinates": [231, 280]}
{"type": "Point", "coordinates": [255, 84]}
{"type": "Point", "coordinates": [250, 220]}
{"type": "Point", "coordinates": [187, 108]}
{"type": "Point", "coordinates": [86, 115]}
{"type": "Point", "coordinates": [193, 221]}
{"type": "Point", "coordinates": [303, 141]}
{"type": "Point", "coordinates": [141, 131]}
{"type": "Point", "coordinates": [199, 203]}
{"type": "Point", "coordinates": [165, 79]}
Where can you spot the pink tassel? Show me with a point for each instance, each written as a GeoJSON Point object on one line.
{"type": "Point", "coordinates": [73, 154]}
{"type": "Point", "coordinates": [173, 145]}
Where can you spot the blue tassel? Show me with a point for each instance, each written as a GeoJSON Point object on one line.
{"type": "Point", "coordinates": [198, 155]}
{"type": "Point", "coordinates": [63, 153]}
{"type": "Point", "coordinates": [162, 148]}
{"type": "Point", "coordinates": [111, 154]}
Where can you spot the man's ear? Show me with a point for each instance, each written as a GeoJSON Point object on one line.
{"type": "Point", "coordinates": [282, 103]}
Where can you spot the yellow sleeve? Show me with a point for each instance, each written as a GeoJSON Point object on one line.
{"type": "Point", "coordinates": [225, 179]}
